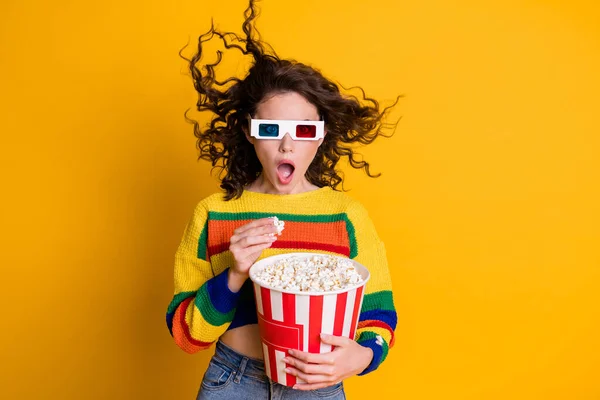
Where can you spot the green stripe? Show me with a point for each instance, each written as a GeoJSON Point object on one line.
{"type": "Point", "coordinates": [382, 300]}
{"type": "Point", "coordinates": [365, 336]}
{"type": "Point", "coordinates": [208, 311]}
{"type": "Point", "coordinates": [226, 216]}
{"type": "Point", "coordinates": [202, 242]}
{"type": "Point", "coordinates": [177, 300]}
{"type": "Point", "coordinates": [351, 237]}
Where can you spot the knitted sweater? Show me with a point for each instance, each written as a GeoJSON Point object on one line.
{"type": "Point", "coordinates": [323, 221]}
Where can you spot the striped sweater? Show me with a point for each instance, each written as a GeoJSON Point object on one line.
{"type": "Point", "coordinates": [323, 221]}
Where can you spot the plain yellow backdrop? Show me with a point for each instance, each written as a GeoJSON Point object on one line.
{"type": "Point", "coordinates": [488, 202]}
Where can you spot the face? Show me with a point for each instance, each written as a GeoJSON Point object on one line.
{"type": "Point", "coordinates": [284, 161]}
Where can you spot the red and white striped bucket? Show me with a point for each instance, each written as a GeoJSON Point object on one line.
{"type": "Point", "coordinates": [294, 319]}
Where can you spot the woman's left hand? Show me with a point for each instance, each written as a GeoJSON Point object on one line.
{"type": "Point", "coordinates": [322, 370]}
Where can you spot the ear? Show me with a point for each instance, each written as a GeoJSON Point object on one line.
{"type": "Point", "coordinates": [247, 134]}
{"type": "Point", "coordinates": [324, 135]}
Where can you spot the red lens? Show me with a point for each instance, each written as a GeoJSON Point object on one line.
{"type": "Point", "coordinates": [306, 131]}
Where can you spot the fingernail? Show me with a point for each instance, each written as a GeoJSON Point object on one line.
{"type": "Point", "coordinates": [324, 336]}
{"type": "Point", "coordinates": [285, 360]}
{"type": "Point", "coordinates": [288, 370]}
{"type": "Point", "coordinates": [291, 352]}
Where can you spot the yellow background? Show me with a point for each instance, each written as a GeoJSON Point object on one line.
{"type": "Point", "coordinates": [488, 204]}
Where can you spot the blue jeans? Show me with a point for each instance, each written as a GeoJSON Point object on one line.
{"type": "Point", "coordinates": [231, 375]}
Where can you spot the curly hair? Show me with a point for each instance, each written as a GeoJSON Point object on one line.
{"type": "Point", "coordinates": [223, 141]}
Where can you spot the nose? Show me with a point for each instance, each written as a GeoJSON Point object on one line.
{"type": "Point", "coordinates": [286, 144]}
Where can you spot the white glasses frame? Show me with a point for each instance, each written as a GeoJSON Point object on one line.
{"type": "Point", "coordinates": [285, 127]}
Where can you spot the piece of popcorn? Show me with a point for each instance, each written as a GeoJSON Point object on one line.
{"type": "Point", "coordinates": [279, 224]}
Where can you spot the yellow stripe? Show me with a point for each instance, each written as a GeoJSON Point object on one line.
{"type": "Point", "coordinates": [328, 202]}
{"type": "Point", "coordinates": [384, 333]}
{"type": "Point", "coordinates": [199, 328]}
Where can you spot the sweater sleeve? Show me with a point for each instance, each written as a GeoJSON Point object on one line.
{"type": "Point", "coordinates": [203, 306]}
{"type": "Point", "coordinates": [377, 319]}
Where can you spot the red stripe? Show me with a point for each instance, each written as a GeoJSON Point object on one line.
{"type": "Point", "coordinates": [265, 294]}
{"type": "Point", "coordinates": [375, 323]}
{"type": "Point", "coordinates": [217, 248]}
{"type": "Point", "coordinates": [272, 363]}
{"type": "Point", "coordinates": [379, 324]}
{"type": "Point", "coordinates": [357, 305]}
{"type": "Point", "coordinates": [185, 327]}
{"type": "Point", "coordinates": [314, 324]}
{"type": "Point", "coordinates": [289, 308]}
{"type": "Point", "coordinates": [340, 311]}
{"type": "Point", "coordinates": [289, 317]}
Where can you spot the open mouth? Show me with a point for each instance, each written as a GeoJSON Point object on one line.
{"type": "Point", "coordinates": [285, 172]}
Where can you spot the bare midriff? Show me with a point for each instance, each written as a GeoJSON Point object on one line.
{"type": "Point", "coordinates": [245, 340]}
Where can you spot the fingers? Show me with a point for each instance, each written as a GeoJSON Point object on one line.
{"type": "Point", "coordinates": [325, 380]}
{"type": "Point", "coordinates": [242, 253]}
{"type": "Point", "coordinates": [306, 368]}
{"type": "Point", "coordinates": [313, 386]}
{"type": "Point", "coordinates": [326, 358]}
{"type": "Point", "coordinates": [264, 230]}
{"type": "Point", "coordinates": [253, 250]}
{"type": "Point", "coordinates": [254, 224]}
{"type": "Point", "coordinates": [335, 340]}
{"type": "Point", "coordinates": [248, 241]}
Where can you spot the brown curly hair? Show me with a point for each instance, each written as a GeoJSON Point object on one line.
{"type": "Point", "coordinates": [223, 141]}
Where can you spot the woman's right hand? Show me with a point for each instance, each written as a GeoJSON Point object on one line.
{"type": "Point", "coordinates": [246, 245]}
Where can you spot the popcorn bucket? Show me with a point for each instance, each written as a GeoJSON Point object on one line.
{"type": "Point", "coordinates": [294, 319]}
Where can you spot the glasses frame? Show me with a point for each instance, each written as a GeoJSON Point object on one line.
{"type": "Point", "coordinates": [285, 127]}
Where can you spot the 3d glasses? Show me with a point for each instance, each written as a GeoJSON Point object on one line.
{"type": "Point", "coordinates": [277, 129]}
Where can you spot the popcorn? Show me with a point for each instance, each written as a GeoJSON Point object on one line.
{"type": "Point", "coordinates": [279, 224]}
{"type": "Point", "coordinates": [319, 273]}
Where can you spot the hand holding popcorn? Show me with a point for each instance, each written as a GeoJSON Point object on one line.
{"type": "Point", "coordinates": [322, 370]}
{"type": "Point", "coordinates": [246, 245]}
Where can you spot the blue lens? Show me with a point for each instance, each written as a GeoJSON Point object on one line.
{"type": "Point", "coordinates": [268, 130]}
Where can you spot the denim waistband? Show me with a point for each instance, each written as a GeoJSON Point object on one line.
{"type": "Point", "coordinates": [240, 363]}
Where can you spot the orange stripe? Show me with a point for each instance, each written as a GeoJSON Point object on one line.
{"type": "Point", "coordinates": [181, 332]}
{"type": "Point", "coordinates": [324, 233]}
{"type": "Point", "coordinates": [333, 233]}
{"type": "Point", "coordinates": [219, 234]}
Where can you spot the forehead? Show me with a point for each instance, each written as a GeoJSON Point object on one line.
{"type": "Point", "coordinates": [286, 106]}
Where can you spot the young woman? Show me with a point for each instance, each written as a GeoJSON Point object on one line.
{"type": "Point", "coordinates": [278, 134]}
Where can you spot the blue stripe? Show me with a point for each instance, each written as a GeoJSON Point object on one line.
{"type": "Point", "coordinates": [389, 317]}
{"type": "Point", "coordinates": [377, 355]}
{"type": "Point", "coordinates": [245, 314]}
{"type": "Point", "coordinates": [170, 322]}
{"type": "Point", "coordinates": [221, 298]}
